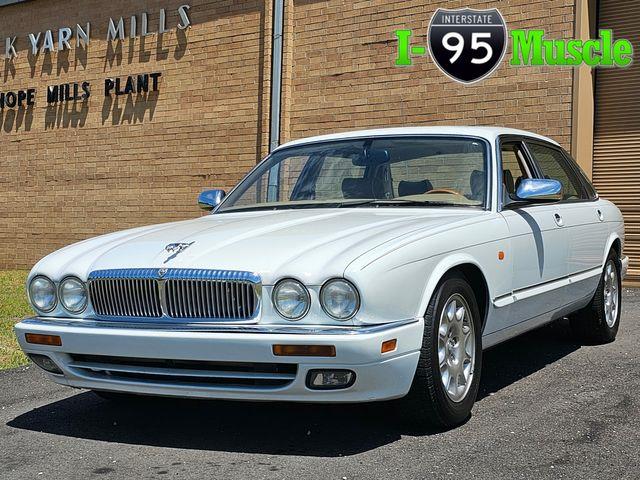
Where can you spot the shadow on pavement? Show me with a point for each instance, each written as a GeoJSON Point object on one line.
{"type": "Point", "coordinates": [518, 358]}
{"type": "Point", "coordinates": [274, 428]}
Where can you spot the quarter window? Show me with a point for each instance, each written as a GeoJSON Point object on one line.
{"type": "Point", "coordinates": [554, 165]}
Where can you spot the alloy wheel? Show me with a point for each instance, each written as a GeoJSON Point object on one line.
{"type": "Point", "coordinates": [456, 347]}
{"type": "Point", "coordinates": [611, 294]}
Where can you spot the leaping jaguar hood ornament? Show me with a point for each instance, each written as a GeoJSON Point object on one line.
{"type": "Point", "coordinates": [176, 249]}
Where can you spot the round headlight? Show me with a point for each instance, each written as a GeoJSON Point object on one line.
{"type": "Point", "coordinates": [340, 299]}
{"type": "Point", "coordinates": [73, 295]}
{"type": "Point", "coordinates": [42, 293]}
{"type": "Point", "coordinates": [291, 299]}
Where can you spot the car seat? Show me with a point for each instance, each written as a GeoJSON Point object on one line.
{"type": "Point", "coordinates": [406, 188]}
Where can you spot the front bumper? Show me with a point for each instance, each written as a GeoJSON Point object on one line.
{"type": "Point", "coordinates": [378, 376]}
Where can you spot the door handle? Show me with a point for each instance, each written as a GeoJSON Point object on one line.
{"type": "Point", "coordinates": [558, 218]}
{"type": "Point", "coordinates": [600, 215]}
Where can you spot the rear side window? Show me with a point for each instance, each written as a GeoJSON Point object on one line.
{"type": "Point", "coordinates": [554, 165]}
{"type": "Point", "coordinates": [587, 186]}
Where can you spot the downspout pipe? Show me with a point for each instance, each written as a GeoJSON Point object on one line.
{"type": "Point", "coordinates": [276, 95]}
{"type": "Point", "coordinates": [276, 74]}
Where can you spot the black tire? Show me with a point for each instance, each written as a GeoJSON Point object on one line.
{"type": "Point", "coordinates": [589, 325]}
{"type": "Point", "coordinates": [427, 402]}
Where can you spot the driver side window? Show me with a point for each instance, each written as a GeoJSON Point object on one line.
{"type": "Point", "coordinates": [514, 169]}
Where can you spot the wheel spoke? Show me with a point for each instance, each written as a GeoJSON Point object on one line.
{"type": "Point", "coordinates": [462, 378]}
{"type": "Point", "coordinates": [451, 311]}
{"type": "Point", "coordinates": [466, 330]}
{"type": "Point", "coordinates": [466, 368]}
{"type": "Point", "coordinates": [460, 314]}
{"type": "Point", "coordinates": [446, 378]}
{"type": "Point", "coordinates": [453, 384]}
{"type": "Point", "coordinates": [468, 351]}
{"type": "Point", "coordinates": [444, 328]}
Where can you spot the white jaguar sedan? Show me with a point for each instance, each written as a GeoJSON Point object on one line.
{"type": "Point", "coordinates": [355, 267]}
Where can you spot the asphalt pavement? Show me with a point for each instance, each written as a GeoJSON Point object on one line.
{"type": "Point", "coordinates": [548, 408]}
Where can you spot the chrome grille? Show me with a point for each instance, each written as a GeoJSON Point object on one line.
{"type": "Point", "coordinates": [210, 299]}
{"type": "Point", "coordinates": [175, 294]}
{"type": "Point", "coordinates": [125, 297]}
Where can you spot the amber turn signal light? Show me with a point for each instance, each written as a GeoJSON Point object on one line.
{"type": "Point", "coordinates": [304, 350]}
{"type": "Point", "coordinates": [389, 346]}
{"type": "Point", "coordinates": [39, 339]}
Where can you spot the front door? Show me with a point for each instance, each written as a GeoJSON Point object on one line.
{"type": "Point", "coordinates": [539, 241]}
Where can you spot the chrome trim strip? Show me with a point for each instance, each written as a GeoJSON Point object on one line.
{"type": "Point", "coordinates": [544, 287]}
{"type": "Point", "coordinates": [176, 274]}
{"type": "Point", "coordinates": [217, 328]}
{"type": "Point", "coordinates": [178, 372]}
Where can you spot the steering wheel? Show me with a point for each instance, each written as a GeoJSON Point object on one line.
{"type": "Point", "coordinates": [444, 190]}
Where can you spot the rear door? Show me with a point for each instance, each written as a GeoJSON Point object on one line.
{"type": "Point", "coordinates": [581, 214]}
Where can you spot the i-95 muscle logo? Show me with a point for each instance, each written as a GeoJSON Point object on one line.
{"type": "Point", "coordinates": [468, 45]}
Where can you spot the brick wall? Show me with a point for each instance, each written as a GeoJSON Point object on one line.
{"type": "Point", "coordinates": [77, 170]}
{"type": "Point", "coordinates": [342, 75]}
{"type": "Point", "coordinates": [74, 171]}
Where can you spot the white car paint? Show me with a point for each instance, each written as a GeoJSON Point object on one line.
{"type": "Point", "coordinates": [395, 257]}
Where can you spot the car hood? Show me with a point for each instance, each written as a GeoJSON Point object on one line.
{"type": "Point", "coordinates": [311, 245]}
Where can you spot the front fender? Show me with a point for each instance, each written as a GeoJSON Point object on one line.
{"type": "Point", "coordinates": [399, 284]}
{"type": "Point", "coordinates": [442, 268]}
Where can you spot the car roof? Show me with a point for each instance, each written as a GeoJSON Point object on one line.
{"type": "Point", "coordinates": [488, 133]}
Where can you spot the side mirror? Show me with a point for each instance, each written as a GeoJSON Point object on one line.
{"type": "Point", "coordinates": [539, 190]}
{"type": "Point", "coordinates": [210, 199]}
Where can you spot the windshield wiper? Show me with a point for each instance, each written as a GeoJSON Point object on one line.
{"type": "Point", "coordinates": [393, 202]}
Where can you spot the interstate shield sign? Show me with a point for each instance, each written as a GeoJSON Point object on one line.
{"type": "Point", "coordinates": [466, 44]}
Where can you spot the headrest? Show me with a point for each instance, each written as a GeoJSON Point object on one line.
{"type": "Point", "coordinates": [406, 188]}
{"type": "Point", "coordinates": [507, 178]}
{"type": "Point", "coordinates": [477, 183]}
{"type": "Point", "coordinates": [357, 188]}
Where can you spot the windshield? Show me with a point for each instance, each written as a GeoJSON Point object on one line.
{"type": "Point", "coordinates": [399, 171]}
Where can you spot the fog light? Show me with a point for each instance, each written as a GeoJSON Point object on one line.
{"type": "Point", "coordinates": [45, 363]}
{"type": "Point", "coordinates": [330, 379]}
